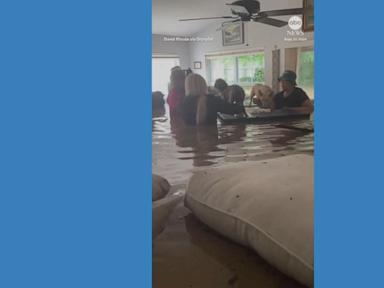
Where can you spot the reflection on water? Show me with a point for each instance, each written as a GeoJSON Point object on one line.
{"type": "Point", "coordinates": [187, 253]}
{"type": "Point", "coordinates": [178, 149]}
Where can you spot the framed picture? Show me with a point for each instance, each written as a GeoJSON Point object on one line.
{"type": "Point", "coordinates": [197, 65]}
{"type": "Point", "coordinates": [233, 33]}
{"type": "Point", "coordinates": [308, 15]}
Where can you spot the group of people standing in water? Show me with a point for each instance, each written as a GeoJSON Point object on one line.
{"type": "Point", "coordinates": [190, 97]}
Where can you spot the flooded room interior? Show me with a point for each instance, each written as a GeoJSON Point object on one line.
{"type": "Point", "coordinates": [232, 143]}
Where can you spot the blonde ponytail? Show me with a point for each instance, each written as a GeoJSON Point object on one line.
{"type": "Point", "coordinates": [195, 85]}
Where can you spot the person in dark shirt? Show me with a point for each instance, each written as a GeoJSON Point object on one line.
{"type": "Point", "coordinates": [220, 85]}
{"type": "Point", "coordinates": [199, 107]}
{"type": "Point", "coordinates": [291, 98]}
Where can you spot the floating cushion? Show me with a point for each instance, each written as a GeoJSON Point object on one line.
{"type": "Point", "coordinates": [160, 187]}
{"type": "Point", "coordinates": [161, 209]}
{"type": "Point", "coordinates": [266, 205]}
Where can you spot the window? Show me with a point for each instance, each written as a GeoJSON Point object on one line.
{"type": "Point", "coordinates": [241, 69]}
{"type": "Point", "coordinates": [305, 71]}
{"type": "Point", "coordinates": [161, 71]}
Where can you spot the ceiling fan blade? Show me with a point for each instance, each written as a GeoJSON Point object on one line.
{"type": "Point", "coordinates": [206, 18]}
{"type": "Point", "coordinates": [271, 21]}
{"type": "Point", "coordinates": [282, 12]}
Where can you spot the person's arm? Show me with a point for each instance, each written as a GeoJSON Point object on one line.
{"type": "Point", "coordinates": [306, 104]}
{"type": "Point", "coordinates": [306, 107]}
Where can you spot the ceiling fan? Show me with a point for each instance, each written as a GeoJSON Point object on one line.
{"type": "Point", "coordinates": [249, 10]}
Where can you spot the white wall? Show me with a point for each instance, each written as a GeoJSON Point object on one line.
{"type": "Point", "coordinates": [257, 36]}
{"type": "Point", "coordinates": [181, 49]}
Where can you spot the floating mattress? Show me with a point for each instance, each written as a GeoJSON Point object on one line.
{"type": "Point", "coordinates": [259, 116]}
{"type": "Point", "coordinates": [265, 205]}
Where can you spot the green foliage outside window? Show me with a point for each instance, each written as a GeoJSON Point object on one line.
{"type": "Point", "coordinates": [244, 70]}
{"type": "Point", "coordinates": [251, 68]}
{"type": "Point", "coordinates": [306, 72]}
{"type": "Point", "coordinates": [259, 76]}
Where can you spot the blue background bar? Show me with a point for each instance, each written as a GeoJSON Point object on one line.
{"type": "Point", "coordinates": [75, 204]}
{"type": "Point", "coordinates": [349, 144]}
{"type": "Point", "coordinates": [75, 116]}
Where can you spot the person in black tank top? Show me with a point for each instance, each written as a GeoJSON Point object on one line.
{"type": "Point", "coordinates": [291, 97]}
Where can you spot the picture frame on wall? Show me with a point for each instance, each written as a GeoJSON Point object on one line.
{"type": "Point", "coordinates": [308, 16]}
{"type": "Point", "coordinates": [232, 33]}
{"type": "Point", "coordinates": [197, 65]}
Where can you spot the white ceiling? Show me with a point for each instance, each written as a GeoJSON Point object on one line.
{"type": "Point", "coordinates": [165, 14]}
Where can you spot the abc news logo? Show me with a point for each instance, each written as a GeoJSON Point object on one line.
{"type": "Point", "coordinates": [295, 23]}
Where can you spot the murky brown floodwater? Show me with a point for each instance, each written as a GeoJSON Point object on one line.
{"type": "Point", "coordinates": [189, 254]}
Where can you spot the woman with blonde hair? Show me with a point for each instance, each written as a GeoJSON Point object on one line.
{"type": "Point", "coordinates": [199, 107]}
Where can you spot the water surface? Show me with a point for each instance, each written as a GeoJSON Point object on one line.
{"type": "Point", "coordinates": [188, 253]}
{"type": "Point", "coordinates": [177, 150]}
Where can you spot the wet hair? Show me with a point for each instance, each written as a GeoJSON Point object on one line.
{"type": "Point", "coordinates": [220, 84]}
{"type": "Point", "coordinates": [177, 80]}
{"type": "Point", "coordinates": [195, 85]}
{"type": "Point", "coordinates": [175, 68]}
{"type": "Point", "coordinates": [157, 100]}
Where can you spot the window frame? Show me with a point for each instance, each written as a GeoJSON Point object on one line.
{"type": "Point", "coordinates": [300, 50]}
{"type": "Point", "coordinates": [235, 54]}
{"type": "Point", "coordinates": [163, 56]}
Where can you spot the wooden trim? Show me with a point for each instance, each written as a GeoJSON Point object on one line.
{"type": "Point", "coordinates": [237, 52]}
{"type": "Point", "coordinates": [307, 8]}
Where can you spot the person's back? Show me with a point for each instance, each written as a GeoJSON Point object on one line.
{"type": "Point", "coordinates": [200, 108]}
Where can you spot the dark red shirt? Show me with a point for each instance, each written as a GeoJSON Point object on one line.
{"type": "Point", "coordinates": [174, 100]}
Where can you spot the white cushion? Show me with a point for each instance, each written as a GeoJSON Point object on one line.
{"type": "Point", "coordinates": [161, 209]}
{"type": "Point", "coordinates": [266, 205]}
{"type": "Point", "coordinates": [160, 187]}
